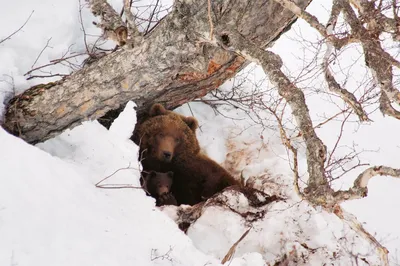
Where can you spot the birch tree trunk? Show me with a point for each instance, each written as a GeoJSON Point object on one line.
{"type": "Point", "coordinates": [171, 65]}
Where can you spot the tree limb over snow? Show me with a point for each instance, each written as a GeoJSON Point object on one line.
{"type": "Point", "coordinates": [173, 65]}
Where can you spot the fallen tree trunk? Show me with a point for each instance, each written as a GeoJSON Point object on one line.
{"type": "Point", "coordinates": [171, 65]}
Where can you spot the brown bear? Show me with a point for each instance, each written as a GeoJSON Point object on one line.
{"type": "Point", "coordinates": [168, 142]}
{"type": "Point", "coordinates": [158, 185]}
{"type": "Point", "coordinates": [165, 137]}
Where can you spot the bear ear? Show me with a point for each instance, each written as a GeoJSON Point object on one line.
{"type": "Point", "coordinates": [157, 109]}
{"type": "Point", "coordinates": [191, 122]}
{"type": "Point", "coordinates": [170, 174]}
{"type": "Point", "coordinates": [150, 175]}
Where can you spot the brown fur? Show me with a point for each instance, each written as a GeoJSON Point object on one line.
{"type": "Point", "coordinates": [159, 185]}
{"type": "Point", "coordinates": [198, 178]}
{"type": "Point", "coordinates": [157, 109]}
{"type": "Point", "coordinates": [168, 143]}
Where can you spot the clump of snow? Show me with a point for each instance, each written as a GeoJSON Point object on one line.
{"type": "Point", "coordinates": [51, 213]}
{"type": "Point", "coordinates": [123, 126]}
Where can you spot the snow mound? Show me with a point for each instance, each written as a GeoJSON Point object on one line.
{"type": "Point", "coordinates": [51, 213]}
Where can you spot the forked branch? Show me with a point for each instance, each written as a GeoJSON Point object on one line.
{"type": "Point", "coordinates": [331, 42]}
{"type": "Point", "coordinates": [376, 58]}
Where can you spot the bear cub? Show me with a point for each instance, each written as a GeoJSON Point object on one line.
{"type": "Point", "coordinates": [158, 185]}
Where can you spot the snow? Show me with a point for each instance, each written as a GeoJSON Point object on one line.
{"type": "Point", "coordinates": [51, 212]}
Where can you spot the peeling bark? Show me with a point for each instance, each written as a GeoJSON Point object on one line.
{"type": "Point", "coordinates": [172, 65]}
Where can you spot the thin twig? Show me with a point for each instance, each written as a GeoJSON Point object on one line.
{"type": "Point", "coordinates": [338, 139]}
{"type": "Point", "coordinates": [151, 17]}
{"type": "Point", "coordinates": [83, 28]}
{"type": "Point", "coordinates": [116, 171]}
{"type": "Point", "coordinates": [20, 28]}
{"type": "Point", "coordinates": [47, 76]}
{"type": "Point", "coordinates": [53, 62]}
{"type": "Point", "coordinates": [44, 48]}
{"type": "Point", "coordinates": [232, 250]}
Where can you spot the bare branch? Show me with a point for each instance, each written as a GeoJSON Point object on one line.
{"type": "Point", "coordinates": [378, 60]}
{"type": "Point", "coordinates": [368, 7]}
{"type": "Point", "coordinates": [331, 41]}
{"type": "Point", "coordinates": [360, 189]}
{"type": "Point", "coordinates": [352, 221]}
{"type": "Point", "coordinates": [335, 87]}
{"type": "Point", "coordinates": [232, 250]}
{"type": "Point", "coordinates": [287, 142]}
{"type": "Point", "coordinates": [20, 28]}
{"type": "Point", "coordinates": [271, 63]}
{"type": "Point", "coordinates": [310, 19]}
{"type": "Point", "coordinates": [47, 76]}
{"type": "Point", "coordinates": [313, 22]}
{"type": "Point", "coordinates": [210, 20]}
{"type": "Point", "coordinates": [44, 48]}
{"type": "Point", "coordinates": [53, 62]}
{"type": "Point", "coordinates": [363, 179]}
{"type": "Point", "coordinates": [386, 107]}
{"type": "Point", "coordinates": [83, 28]}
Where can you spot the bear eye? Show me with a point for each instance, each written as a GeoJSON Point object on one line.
{"type": "Point", "coordinates": [161, 135]}
{"type": "Point", "coordinates": [178, 140]}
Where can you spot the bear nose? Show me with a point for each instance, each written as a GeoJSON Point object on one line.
{"type": "Point", "coordinates": [167, 155]}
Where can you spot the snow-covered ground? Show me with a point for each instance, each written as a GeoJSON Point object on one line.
{"type": "Point", "coordinates": [51, 213]}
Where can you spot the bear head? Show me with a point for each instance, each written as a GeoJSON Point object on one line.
{"type": "Point", "coordinates": [166, 135]}
{"type": "Point", "coordinates": [158, 184]}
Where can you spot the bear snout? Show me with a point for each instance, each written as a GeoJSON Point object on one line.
{"type": "Point", "coordinates": [163, 190]}
{"type": "Point", "coordinates": [167, 156]}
